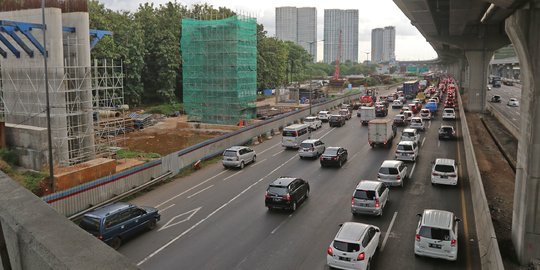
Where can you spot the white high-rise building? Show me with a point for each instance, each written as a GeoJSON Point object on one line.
{"type": "Point", "coordinates": [298, 25]}
{"type": "Point", "coordinates": [344, 23]}
{"type": "Point", "coordinates": [383, 44]}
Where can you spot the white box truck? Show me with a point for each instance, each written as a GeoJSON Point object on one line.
{"type": "Point", "coordinates": [367, 114]}
{"type": "Point", "coordinates": [381, 131]}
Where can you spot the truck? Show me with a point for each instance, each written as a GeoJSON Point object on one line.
{"type": "Point", "coordinates": [381, 132]}
{"type": "Point", "coordinates": [366, 101]}
{"type": "Point", "coordinates": [410, 89]}
{"type": "Point", "coordinates": [367, 114]}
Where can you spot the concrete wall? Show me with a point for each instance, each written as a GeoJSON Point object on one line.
{"type": "Point", "coordinates": [29, 144]}
{"type": "Point", "coordinates": [38, 237]}
{"type": "Point", "coordinates": [509, 125]}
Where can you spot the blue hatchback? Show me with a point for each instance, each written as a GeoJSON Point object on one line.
{"type": "Point", "coordinates": [116, 222]}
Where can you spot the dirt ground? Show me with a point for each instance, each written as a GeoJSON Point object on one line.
{"type": "Point", "coordinates": [498, 178]}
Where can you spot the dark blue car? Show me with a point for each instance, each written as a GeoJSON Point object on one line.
{"type": "Point", "coordinates": [116, 222]}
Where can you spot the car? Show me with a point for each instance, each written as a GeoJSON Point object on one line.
{"type": "Point", "coordinates": [408, 115]}
{"type": "Point", "coordinates": [347, 106]}
{"type": "Point", "coordinates": [336, 120]}
{"type": "Point", "coordinates": [449, 104]}
{"type": "Point", "coordinates": [507, 82]}
{"type": "Point", "coordinates": [410, 134]}
{"type": "Point", "coordinates": [418, 103]}
{"type": "Point", "coordinates": [495, 99]}
{"type": "Point", "coordinates": [449, 114]}
{"type": "Point", "coordinates": [396, 104]}
{"type": "Point", "coordinates": [380, 111]}
{"type": "Point", "coordinates": [313, 122]}
{"type": "Point", "coordinates": [286, 193]}
{"type": "Point", "coordinates": [407, 150]}
{"type": "Point", "coordinates": [417, 123]}
{"type": "Point", "coordinates": [345, 113]}
{"type": "Point", "coordinates": [392, 173]}
{"type": "Point", "coordinates": [425, 114]}
{"type": "Point", "coordinates": [382, 103]}
{"type": "Point", "coordinates": [444, 171]}
{"type": "Point", "coordinates": [324, 116]}
{"type": "Point", "coordinates": [353, 246]}
{"type": "Point", "coordinates": [311, 148]}
{"type": "Point", "coordinates": [432, 107]}
{"type": "Point", "coordinates": [437, 235]}
{"type": "Point", "coordinates": [513, 102]}
{"type": "Point", "coordinates": [413, 108]}
{"type": "Point", "coordinates": [447, 132]}
{"type": "Point", "coordinates": [369, 197]}
{"type": "Point", "coordinates": [405, 107]}
{"type": "Point", "coordinates": [117, 222]}
{"type": "Point", "coordinates": [399, 120]}
{"type": "Point", "coordinates": [496, 83]}
{"type": "Point", "coordinates": [238, 156]}
{"type": "Point", "coordinates": [334, 156]}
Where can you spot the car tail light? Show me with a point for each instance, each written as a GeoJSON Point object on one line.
{"type": "Point", "coordinates": [452, 175]}
{"type": "Point", "coordinates": [435, 174]}
{"type": "Point", "coordinates": [377, 205]}
{"type": "Point", "coordinates": [312, 149]}
{"type": "Point", "coordinates": [398, 177]}
{"type": "Point", "coordinates": [352, 201]}
{"type": "Point", "coordinates": [385, 141]}
{"type": "Point", "coordinates": [330, 251]}
{"type": "Point", "coordinates": [334, 158]}
{"type": "Point", "coordinates": [266, 196]}
{"type": "Point", "coordinates": [100, 237]}
{"type": "Point", "coordinates": [287, 197]}
{"type": "Point", "coordinates": [321, 158]}
{"type": "Point", "coordinates": [453, 242]}
{"type": "Point", "coordinates": [417, 237]}
{"type": "Point", "coordinates": [361, 256]}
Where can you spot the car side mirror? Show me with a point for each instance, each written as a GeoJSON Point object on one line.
{"type": "Point", "coordinates": [377, 230]}
{"type": "Point", "coordinates": [457, 219]}
{"type": "Point", "coordinates": [419, 215]}
{"type": "Point", "coordinates": [341, 224]}
{"type": "Point", "coordinates": [433, 162]}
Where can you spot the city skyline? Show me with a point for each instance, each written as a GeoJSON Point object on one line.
{"type": "Point", "coordinates": [298, 25]}
{"type": "Point", "coordinates": [340, 30]}
{"type": "Point", "coordinates": [383, 44]}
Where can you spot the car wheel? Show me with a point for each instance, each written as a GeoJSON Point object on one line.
{"type": "Point", "coordinates": [152, 224]}
{"type": "Point", "coordinates": [340, 163]}
{"type": "Point", "coordinates": [301, 157]}
{"type": "Point", "coordinates": [307, 194]}
{"type": "Point", "coordinates": [254, 159]}
{"type": "Point", "coordinates": [293, 206]}
{"type": "Point", "coordinates": [382, 210]}
{"type": "Point", "coordinates": [270, 208]}
{"type": "Point", "coordinates": [241, 165]}
{"type": "Point", "coordinates": [116, 243]}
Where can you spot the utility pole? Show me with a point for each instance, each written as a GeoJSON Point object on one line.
{"type": "Point", "coordinates": [367, 56]}
{"type": "Point", "coordinates": [49, 134]}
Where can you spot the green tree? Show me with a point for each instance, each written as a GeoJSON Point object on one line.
{"type": "Point", "coordinates": [271, 61]}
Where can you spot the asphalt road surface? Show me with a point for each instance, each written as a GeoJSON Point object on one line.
{"type": "Point", "coordinates": [216, 218]}
{"type": "Point", "coordinates": [506, 92]}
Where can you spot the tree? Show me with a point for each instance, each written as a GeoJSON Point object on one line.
{"type": "Point", "coordinates": [271, 61]}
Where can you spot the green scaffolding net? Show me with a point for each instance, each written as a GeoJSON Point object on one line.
{"type": "Point", "coordinates": [219, 69]}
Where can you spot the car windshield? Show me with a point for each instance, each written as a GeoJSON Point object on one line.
{"type": "Point", "coordinates": [347, 247]}
{"type": "Point", "coordinates": [90, 224]}
{"type": "Point", "coordinates": [277, 190]}
{"type": "Point", "coordinates": [444, 168]}
{"type": "Point", "coordinates": [309, 120]}
{"type": "Point", "coordinates": [334, 118]}
{"type": "Point", "coordinates": [407, 134]}
{"type": "Point", "coordinates": [447, 129]}
{"type": "Point", "coordinates": [418, 121]}
{"type": "Point", "coordinates": [364, 194]}
{"type": "Point", "coordinates": [289, 133]}
{"type": "Point", "coordinates": [435, 233]}
{"type": "Point", "coordinates": [386, 170]}
{"type": "Point", "coordinates": [399, 117]}
{"type": "Point", "coordinates": [449, 111]}
{"type": "Point", "coordinates": [306, 145]}
{"type": "Point", "coordinates": [331, 152]}
{"type": "Point", "coordinates": [404, 147]}
{"type": "Point", "coordinates": [229, 153]}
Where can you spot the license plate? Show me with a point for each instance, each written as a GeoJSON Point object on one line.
{"type": "Point", "coordinates": [277, 199]}
{"type": "Point", "coordinates": [444, 176]}
{"type": "Point", "coordinates": [435, 246]}
{"type": "Point", "coordinates": [345, 259]}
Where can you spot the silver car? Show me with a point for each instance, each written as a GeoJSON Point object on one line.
{"type": "Point", "coordinates": [392, 172]}
{"type": "Point", "coordinates": [238, 156]}
{"type": "Point", "coordinates": [311, 148]}
{"type": "Point", "coordinates": [369, 197]}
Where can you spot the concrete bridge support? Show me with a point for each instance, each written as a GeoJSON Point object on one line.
{"type": "Point", "coordinates": [477, 79]}
{"type": "Point", "coordinates": [522, 28]}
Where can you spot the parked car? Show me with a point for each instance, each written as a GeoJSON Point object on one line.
{"type": "Point", "coordinates": [437, 235]}
{"type": "Point", "coordinates": [116, 222]}
{"type": "Point", "coordinates": [447, 132]}
{"type": "Point", "coordinates": [444, 171]}
{"type": "Point", "coordinates": [311, 148]}
{"type": "Point", "coordinates": [407, 150]}
{"type": "Point", "coordinates": [345, 113]}
{"type": "Point", "coordinates": [397, 104]}
{"type": "Point", "coordinates": [334, 156]}
{"type": "Point", "coordinates": [417, 123]}
{"type": "Point", "coordinates": [369, 197]}
{"type": "Point", "coordinates": [392, 172]}
{"type": "Point", "coordinates": [286, 193]}
{"type": "Point", "coordinates": [449, 114]}
{"type": "Point", "coordinates": [313, 122]}
{"type": "Point", "coordinates": [425, 114]}
{"type": "Point", "coordinates": [354, 246]}
{"type": "Point", "coordinates": [324, 116]}
{"type": "Point", "coordinates": [513, 102]}
{"type": "Point", "coordinates": [399, 120]}
{"type": "Point", "coordinates": [238, 156]}
{"type": "Point", "coordinates": [336, 120]}
{"type": "Point", "coordinates": [410, 134]}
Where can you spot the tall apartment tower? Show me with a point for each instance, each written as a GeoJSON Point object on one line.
{"type": "Point", "coordinates": [344, 23]}
{"type": "Point", "coordinates": [298, 25]}
{"type": "Point", "coordinates": [383, 44]}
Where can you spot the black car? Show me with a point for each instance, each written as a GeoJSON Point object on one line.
{"type": "Point", "coordinates": [114, 223]}
{"type": "Point", "coordinates": [336, 120]}
{"type": "Point", "coordinates": [334, 156]}
{"type": "Point", "coordinates": [447, 132]}
{"type": "Point", "coordinates": [496, 99]}
{"type": "Point", "coordinates": [380, 111]}
{"type": "Point", "coordinates": [286, 193]}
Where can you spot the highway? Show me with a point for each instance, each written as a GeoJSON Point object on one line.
{"type": "Point", "coordinates": [216, 218]}
{"type": "Point", "coordinates": [506, 92]}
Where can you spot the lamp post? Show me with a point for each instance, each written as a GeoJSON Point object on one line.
{"type": "Point", "coordinates": [367, 56]}
{"type": "Point", "coordinates": [45, 56]}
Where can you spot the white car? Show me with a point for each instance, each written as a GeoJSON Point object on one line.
{"type": "Point", "coordinates": [437, 235]}
{"type": "Point", "coordinates": [396, 104]}
{"type": "Point", "coordinates": [392, 172]}
{"type": "Point", "coordinates": [354, 246]}
{"type": "Point", "coordinates": [449, 114]}
{"type": "Point", "coordinates": [513, 102]}
{"type": "Point", "coordinates": [410, 134]}
{"type": "Point", "coordinates": [311, 148]}
{"type": "Point", "coordinates": [425, 114]}
{"type": "Point", "coordinates": [238, 156]}
{"type": "Point", "coordinates": [407, 150]}
{"type": "Point", "coordinates": [445, 172]}
{"type": "Point", "coordinates": [324, 116]}
{"type": "Point", "coordinates": [417, 123]}
{"type": "Point", "coordinates": [313, 122]}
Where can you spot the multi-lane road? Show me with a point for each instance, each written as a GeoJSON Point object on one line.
{"type": "Point", "coordinates": [216, 218]}
{"type": "Point", "coordinates": [506, 92]}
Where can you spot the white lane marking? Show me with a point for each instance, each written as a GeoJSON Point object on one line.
{"type": "Point", "coordinates": [388, 231]}
{"type": "Point", "coordinates": [412, 170]}
{"type": "Point", "coordinates": [278, 153]}
{"type": "Point", "coordinates": [280, 224]}
{"type": "Point", "coordinates": [423, 140]}
{"type": "Point", "coordinates": [439, 143]}
{"type": "Point", "coordinates": [348, 161]}
{"type": "Point", "coordinates": [226, 178]}
{"type": "Point", "coordinates": [259, 162]}
{"type": "Point", "coordinates": [260, 153]}
{"type": "Point", "coordinates": [190, 189]}
{"type": "Point", "coordinates": [170, 224]}
{"type": "Point", "coordinates": [209, 216]}
{"type": "Point", "coordinates": [327, 133]}
{"type": "Point", "coordinates": [161, 211]}
{"type": "Point", "coordinates": [192, 195]}
{"type": "Point", "coordinates": [429, 124]}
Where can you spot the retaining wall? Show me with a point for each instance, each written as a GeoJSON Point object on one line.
{"type": "Point", "coordinates": [509, 125]}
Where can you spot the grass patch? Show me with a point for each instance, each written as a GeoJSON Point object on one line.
{"type": "Point", "coordinates": [126, 153]}
{"type": "Point", "coordinates": [167, 109]}
{"type": "Point", "coordinates": [8, 156]}
{"type": "Point", "coordinates": [31, 180]}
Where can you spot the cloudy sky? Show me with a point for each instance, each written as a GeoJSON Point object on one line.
{"type": "Point", "coordinates": [410, 45]}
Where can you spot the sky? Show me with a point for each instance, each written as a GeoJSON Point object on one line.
{"type": "Point", "coordinates": [410, 44]}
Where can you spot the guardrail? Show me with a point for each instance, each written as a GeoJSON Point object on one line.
{"type": "Point", "coordinates": [509, 125]}
{"type": "Point", "coordinates": [490, 255]}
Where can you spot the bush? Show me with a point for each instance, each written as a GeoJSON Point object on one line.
{"type": "Point", "coordinates": [8, 156]}
{"type": "Point", "coordinates": [125, 153]}
{"type": "Point", "coordinates": [166, 109]}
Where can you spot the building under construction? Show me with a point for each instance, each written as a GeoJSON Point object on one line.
{"type": "Point", "coordinates": [219, 69]}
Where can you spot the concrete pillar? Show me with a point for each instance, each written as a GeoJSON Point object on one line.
{"type": "Point", "coordinates": [478, 68]}
{"type": "Point", "coordinates": [522, 28]}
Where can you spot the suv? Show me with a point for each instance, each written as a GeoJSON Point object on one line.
{"type": "Point", "coordinates": [380, 111]}
{"type": "Point", "coordinates": [238, 156]}
{"type": "Point", "coordinates": [311, 148]}
{"type": "Point", "coordinates": [407, 150]}
{"type": "Point", "coordinates": [392, 172]}
{"type": "Point", "coordinates": [444, 171]}
{"type": "Point", "coordinates": [313, 122]}
{"type": "Point", "coordinates": [425, 114]}
{"type": "Point", "coordinates": [447, 132]}
{"type": "Point", "coordinates": [369, 197]}
{"type": "Point", "coordinates": [410, 134]}
{"type": "Point", "coordinates": [336, 120]}
{"type": "Point", "coordinates": [354, 246]}
{"type": "Point", "coordinates": [449, 113]}
{"type": "Point", "coordinates": [437, 235]}
{"type": "Point", "coordinates": [324, 116]}
{"type": "Point", "coordinates": [286, 193]}
{"type": "Point", "coordinates": [114, 223]}
{"type": "Point", "coordinates": [345, 113]}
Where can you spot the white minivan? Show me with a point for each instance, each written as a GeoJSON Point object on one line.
{"type": "Point", "coordinates": [407, 150]}
{"type": "Point", "coordinates": [294, 135]}
{"type": "Point", "coordinates": [437, 235]}
{"type": "Point", "coordinates": [354, 246]}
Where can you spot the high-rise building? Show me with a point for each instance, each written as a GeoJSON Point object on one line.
{"type": "Point", "coordinates": [298, 25]}
{"type": "Point", "coordinates": [340, 25]}
{"type": "Point", "coordinates": [383, 44]}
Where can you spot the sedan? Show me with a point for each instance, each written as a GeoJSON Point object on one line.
{"type": "Point", "coordinates": [334, 156]}
{"type": "Point", "coordinates": [513, 102]}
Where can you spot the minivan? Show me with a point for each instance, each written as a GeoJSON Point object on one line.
{"type": "Point", "coordinates": [410, 134]}
{"type": "Point", "coordinates": [437, 235]}
{"type": "Point", "coordinates": [311, 148]}
{"type": "Point", "coordinates": [294, 135]}
{"type": "Point", "coordinates": [444, 171]}
{"type": "Point", "coordinates": [238, 157]}
{"type": "Point", "coordinates": [392, 172]}
{"type": "Point", "coordinates": [407, 150]}
{"type": "Point", "coordinates": [354, 246]}
{"type": "Point", "coordinates": [369, 197]}
{"type": "Point", "coordinates": [286, 193]}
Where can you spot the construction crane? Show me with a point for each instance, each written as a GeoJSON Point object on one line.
{"type": "Point", "coordinates": [338, 58]}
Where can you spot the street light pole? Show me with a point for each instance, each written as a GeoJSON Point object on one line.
{"type": "Point", "coordinates": [49, 135]}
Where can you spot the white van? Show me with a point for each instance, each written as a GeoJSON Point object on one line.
{"type": "Point", "coordinates": [294, 135]}
{"type": "Point", "coordinates": [437, 235]}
